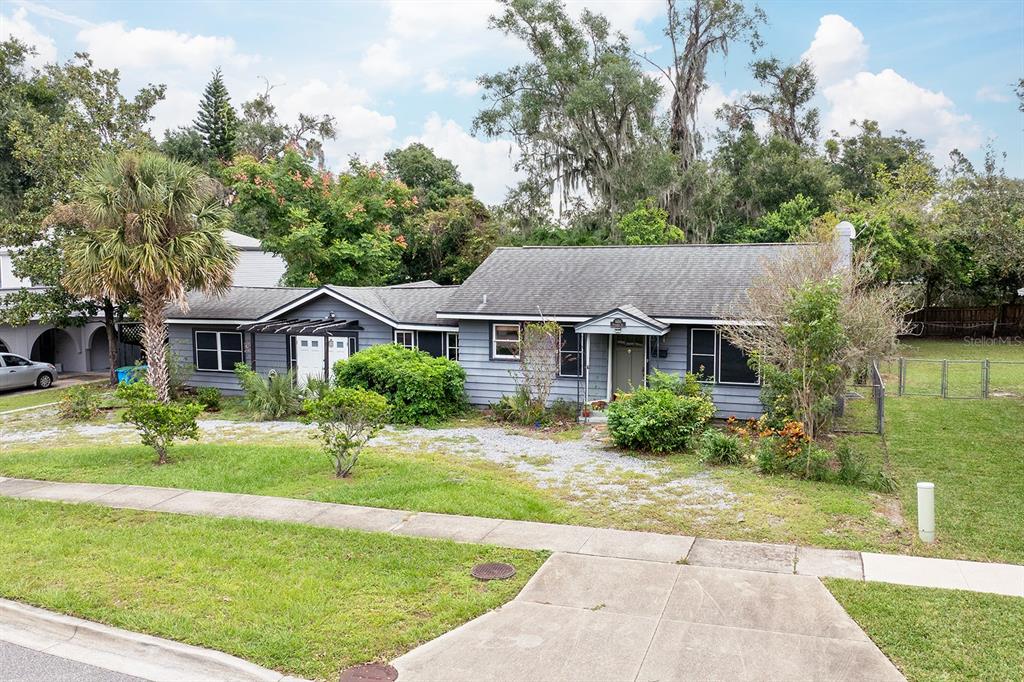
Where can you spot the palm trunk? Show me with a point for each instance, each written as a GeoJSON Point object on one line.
{"type": "Point", "coordinates": [154, 334]}
{"type": "Point", "coordinates": [108, 323]}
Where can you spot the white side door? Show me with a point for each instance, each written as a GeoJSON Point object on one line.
{"type": "Point", "coordinates": [339, 348]}
{"type": "Point", "coordinates": [309, 358]}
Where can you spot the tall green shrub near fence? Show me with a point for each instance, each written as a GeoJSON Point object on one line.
{"type": "Point", "coordinates": [420, 388]}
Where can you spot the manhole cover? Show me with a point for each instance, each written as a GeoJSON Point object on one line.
{"type": "Point", "coordinates": [493, 571]}
{"type": "Point", "coordinates": [370, 672]}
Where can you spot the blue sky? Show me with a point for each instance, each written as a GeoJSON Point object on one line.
{"type": "Point", "coordinates": [393, 72]}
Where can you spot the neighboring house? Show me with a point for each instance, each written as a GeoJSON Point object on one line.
{"type": "Point", "coordinates": [625, 311]}
{"type": "Point", "coordinates": [84, 348]}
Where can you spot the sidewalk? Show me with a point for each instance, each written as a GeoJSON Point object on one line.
{"type": "Point", "coordinates": [1007, 579]}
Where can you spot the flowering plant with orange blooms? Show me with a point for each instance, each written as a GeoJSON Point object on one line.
{"type": "Point", "coordinates": [342, 229]}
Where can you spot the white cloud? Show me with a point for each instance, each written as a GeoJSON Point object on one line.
{"type": "Point", "coordinates": [360, 129]}
{"type": "Point", "coordinates": [488, 165]}
{"type": "Point", "coordinates": [838, 50]}
{"type": "Point", "coordinates": [466, 88]}
{"type": "Point", "coordinates": [114, 45]}
{"type": "Point", "coordinates": [897, 103]}
{"type": "Point", "coordinates": [434, 82]}
{"type": "Point", "coordinates": [178, 109]}
{"type": "Point", "coordinates": [988, 93]}
{"type": "Point", "coordinates": [383, 64]}
{"type": "Point", "coordinates": [18, 26]}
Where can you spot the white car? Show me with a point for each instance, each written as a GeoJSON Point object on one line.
{"type": "Point", "coordinates": [19, 372]}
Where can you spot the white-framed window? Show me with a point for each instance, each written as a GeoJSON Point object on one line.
{"type": "Point", "coordinates": [451, 346]}
{"type": "Point", "coordinates": [703, 353]}
{"type": "Point", "coordinates": [505, 341]}
{"type": "Point", "coordinates": [218, 351]}
{"type": "Point", "coordinates": [405, 338]}
{"type": "Point", "coordinates": [570, 355]}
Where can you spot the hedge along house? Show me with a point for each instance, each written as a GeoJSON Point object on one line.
{"type": "Point", "coordinates": [625, 311]}
{"type": "Point", "coordinates": [304, 330]}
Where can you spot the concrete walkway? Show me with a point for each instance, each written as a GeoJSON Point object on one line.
{"type": "Point", "coordinates": [597, 618]}
{"type": "Point", "coordinates": [1007, 579]}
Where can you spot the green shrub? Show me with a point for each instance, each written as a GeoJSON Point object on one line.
{"type": "Point", "coordinates": [686, 385]}
{"type": "Point", "coordinates": [209, 397]}
{"type": "Point", "coordinates": [812, 463]}
{"type": "Point", "coordinates": [770, 458]}
{"type": "Point", "coordinates": [717, 447]}
{"type": "Point", "coordinates": [519, 408]}
{"type": "Point", "coordinates": [421, 389]}
{"type": "Point", "coordinates": [274, 397]}
{"type": "Point", "coordinates": [658, 421]}
{"type": "Point", "coordinates": [316, 388]}
{"type": "Point", "coordinates": [158, 423]}
{"type": "Point", "coordinates": [346, 418]}
{"type": "Point", "coordinates": [562, 411]}
{"type": "Point", "coordinates": [79, 403]}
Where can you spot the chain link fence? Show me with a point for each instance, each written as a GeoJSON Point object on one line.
{"type": "Point", "coordinates": [862, 407]}
{"type": "Point", "coordinates": [961, 379]}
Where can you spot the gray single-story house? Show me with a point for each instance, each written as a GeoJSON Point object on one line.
{"type": "Point", "coordinates": [625, 311]}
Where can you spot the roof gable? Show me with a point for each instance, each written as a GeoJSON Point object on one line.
{"type": "Point", "coordinates": [625, 319]}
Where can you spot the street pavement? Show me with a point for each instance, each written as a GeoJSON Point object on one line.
{"type": "Point", "coordinates": [18, 664]}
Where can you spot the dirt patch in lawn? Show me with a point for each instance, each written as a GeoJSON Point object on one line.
{"type": "Point", "coordinates": [586, 471]}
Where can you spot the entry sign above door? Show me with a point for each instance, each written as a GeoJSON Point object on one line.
{"type": "Point", "coordinates": [618, 324]}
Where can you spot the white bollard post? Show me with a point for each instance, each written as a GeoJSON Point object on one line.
{"type": "Point", "coordinates": [926, 511]}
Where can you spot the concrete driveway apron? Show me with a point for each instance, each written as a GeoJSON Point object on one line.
{"type": "Point", "coordinates": [598, 618]}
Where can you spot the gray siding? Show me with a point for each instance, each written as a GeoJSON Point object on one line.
{"type": "Point", "coordinates": [180, 339]}
{"type": "Point", "coordinates": [487, 380]}
{"type": "Point", "coordinates": [743, 402]}
{"type": "Point", "coordinates": [598, 371]}
{"type": "Point", "coordinates": [374, 331]}
{"type": "Point", "coordinates": [271, 349]}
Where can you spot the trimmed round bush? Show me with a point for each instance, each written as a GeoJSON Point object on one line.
{"type": "Point", "coordinates": [658, 420]}
{"type": "Point", "coordinates": [420, 388]}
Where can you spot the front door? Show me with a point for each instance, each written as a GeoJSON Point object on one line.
{"type": "Point", "coordinates": [309, 358]}
{"type": "Point", "coordinates": [629, 363]}
{"type": "Point", "coordinates": [339, 349]}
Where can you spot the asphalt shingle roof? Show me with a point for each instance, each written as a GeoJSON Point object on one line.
{"type": "Point", "coordinates": [408, 304]}
{"type": "Point", "coordinates": [682, 281]}
{"type": "Point", "coordinates": [237, 303]}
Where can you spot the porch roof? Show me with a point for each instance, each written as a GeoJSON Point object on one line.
{"type": "Point", "coordinates": [303, 327]}
{"type": "Point", "coordinates": [623, 319]}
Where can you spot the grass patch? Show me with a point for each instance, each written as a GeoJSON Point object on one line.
{"type": "Point", "coordinates": [935, 634]}
{"type": "Point", "coordinates": [963, 380]}
{"type": "Point", "coordinates": [384, 477]}
{"type": "Point", "coordinates": [305, 601]}
{"type": "Point", "coordinates": [971, 451]}
{"type": "Point", "coordinates": [13, 400]}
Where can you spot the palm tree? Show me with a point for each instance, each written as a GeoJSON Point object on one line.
{"type": "Point", "coordinates": [156, 233]}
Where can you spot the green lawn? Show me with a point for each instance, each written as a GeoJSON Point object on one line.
{"type": "Point", "coordinates": [416, 481]}
{"type": "Point", "coordinates": [971, 450]}
{"type": "Point", "coordinates": [12, 400]}
{"type": "Point", "coordinates": [939, 634]}
{"type": "Point", "coordinates": [304, 601]}
{"type": "Point", "coordinates": [924, 373]}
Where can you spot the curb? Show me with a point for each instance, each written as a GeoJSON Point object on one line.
{"type": "Point", "coordinates": [130, 653]}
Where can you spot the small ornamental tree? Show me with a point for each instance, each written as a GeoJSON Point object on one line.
{"type": "Point", "coordinates": [820, 320]}
{"type": "Point", "coordinates": [539, 347]}
{"type": "Point", "coordinates": [158, 423]}
{"type": "Point", "coordinates": [346, 418]}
